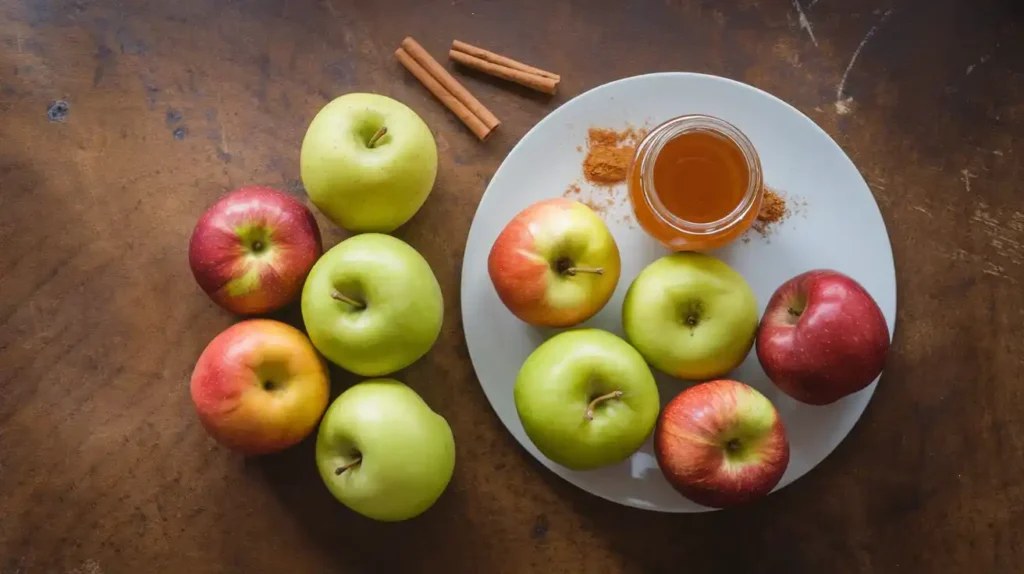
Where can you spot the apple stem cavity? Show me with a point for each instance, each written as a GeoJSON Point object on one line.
{"type": "Point", "coordinates": [376, 137]}
{"type": "Point", "coordinates": [347, 465]}
{"type": "Point", "coordinates": [589, 415]}
{"type": "Point", "coordinates": [337, 295]}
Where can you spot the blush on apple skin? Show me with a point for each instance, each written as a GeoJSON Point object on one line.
{"type": "Point", "coordinates": [516, 270]}
{"type": "Point", "coordinates": [522, 275]}
{"type": "Point", "coordinates": [822, 337]}
{"type": "Point", "coordinates": [238, 277]}
{"type": "Point", "coordinates": [721, 444]}
{"type": "Point", "coordinates": [259, 387]}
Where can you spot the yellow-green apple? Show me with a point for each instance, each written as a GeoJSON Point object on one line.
{"type": "Point", "coordinates": [586, 399]}
{"type": "Point", "coordinates": [691, 316]}
{"type": "Point", "coordinates": [260, 386]}
{"type": "Point", "coordinates": [555, 264]}
{"type": "Point", "coordinates": [251, 250]}
{"type": "Point", "coordinates": [383, 452]}
{"type": "Point", "coordinates": [372, 305]}
{"type": "Point", "coordinates": [822, 337]}
{"type": "Point", "coordinates": [368, 162]}
{"type": "Point", "coordinates": [721, 443]}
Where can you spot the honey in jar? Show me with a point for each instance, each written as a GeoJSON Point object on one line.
{"type": "Point", "coordinates": [695, 183]}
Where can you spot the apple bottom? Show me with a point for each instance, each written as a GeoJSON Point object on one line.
{"type": "Point", "coordinates": [259, 387]}
{"type": "Point", "coordinates": [721, 444]}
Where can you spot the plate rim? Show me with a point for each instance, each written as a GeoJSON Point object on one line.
{"type": "Point", "coordinates": [870, 389]}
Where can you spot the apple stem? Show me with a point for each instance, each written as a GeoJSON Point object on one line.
{"type": "Point", "coordinates": [380, 133]}
{"type": "Point", "coordinates": [593, 404]}
{"type": "Point", "coordinates": [575, 270]}
{"type": "Point", "coordinates": [348, 465]}
{"type": "Point", "coordinates": [345, 298]}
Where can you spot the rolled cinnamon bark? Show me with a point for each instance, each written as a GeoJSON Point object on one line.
{"type": "Point", "coordinates": [452, 85]}
{"type": "Point", "coordinates": [533, 81]}
{"type": "Point", "coordinates": [486, 55]}
{"type": "Point", "coordinates": [449, 100]}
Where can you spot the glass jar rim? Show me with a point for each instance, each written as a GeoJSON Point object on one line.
{"type": "Point", "coordinates": [651, 146]}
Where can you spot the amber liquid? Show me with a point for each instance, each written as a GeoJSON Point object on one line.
{"type": "Point", "coordinates": [700, 177]}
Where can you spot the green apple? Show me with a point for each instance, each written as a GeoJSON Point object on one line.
{"type": "Point", "coordinates": [368, 162]}
{"type": "Point", "coordinates": [372, 305]}
{"type": "Point", "coordinates": [383, 452]}
{"type": "Point", "coordinates": [691, 316]}
{"type": "Point", "coordinates": [586, 399]}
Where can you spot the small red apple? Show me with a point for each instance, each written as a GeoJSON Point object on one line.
{"type": "Point", "coordinates": [555, 264]}
{"type": "Point", "coordinates": [260, 387]}
{"type": "Point", "coordinates": [252, 249]}
{"type": "Point", "coordinates": [822, 337]}
{"type": "Point", "coordinates": [721, 444]}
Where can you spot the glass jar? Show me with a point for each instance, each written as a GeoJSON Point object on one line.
{"type": "Point", "coordinates": [695, 183]}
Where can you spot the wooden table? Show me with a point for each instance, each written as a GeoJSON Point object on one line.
{"type": "Point", "coordinates": [104, 468]}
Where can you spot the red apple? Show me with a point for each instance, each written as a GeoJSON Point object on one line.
{"type": "Point", "coordinates": [822, 337]}
{"type": "Point", "coordinates": [260, 387]}
{"type": "Point", "coordinates": [721, 444]}
{"type": "Point", "coordinates": [555, 264]}
{"type": "Point", "coordinates": [251, 251]}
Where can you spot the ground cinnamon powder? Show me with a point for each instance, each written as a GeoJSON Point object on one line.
{"type": "Point", "coordinates": [609, 154]}
{"type": "Point", "coordinates": [773, 210]}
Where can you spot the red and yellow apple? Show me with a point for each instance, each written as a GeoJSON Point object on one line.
{"type": "Point", "coordinates": [260, 387]}
{"type": "Point", "coordinates": [721, 444]}
{"type": "Point", "coordinates": [822, 337]}
{"type": "Point", "coordinates": [555, 264]}
{"type": "Point", "coordinates": [252, 249]}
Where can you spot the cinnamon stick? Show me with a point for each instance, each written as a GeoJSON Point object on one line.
{"type": "Point", "coordinates": [486, 55]}
{"type": "Point", "coordinates": [453, 86]}
{"type": "Point", "coordinates": [467, 116]}
{"type": "Point", "coordinates": [533, 81]}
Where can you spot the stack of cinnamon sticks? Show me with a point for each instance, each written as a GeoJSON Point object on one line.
{"type": "Point", "coordinates": [457, 98]}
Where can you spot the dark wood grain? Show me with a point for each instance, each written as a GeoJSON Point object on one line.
{"type": "Point", "coordinates": [104, 468]}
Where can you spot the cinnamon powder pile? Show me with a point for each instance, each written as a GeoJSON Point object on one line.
{"type": "Point", "coordinates": [609, 154]}
{"type": "Point", "coordinates": [773, 210]}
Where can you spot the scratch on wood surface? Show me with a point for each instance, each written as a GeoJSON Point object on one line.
{"type": "Point", "coordinates": [921, 209]}
{"type": "Point", "coordinates": [966, 177]}
{"type": "Point", "coordinates": [1005, 233]}
{"type": "Point", "coordinates": [996, 271]}
{"type": "Point", "coordinates": [843, 103]}
{"type": "Point", "coordinates": [805, 24]}
{"type": "Point", "coordinates": [220, 123]}
{"type": "Point", "coordinates": [980, 62]}
{"type": "Point", "coordinates": [88, 567]}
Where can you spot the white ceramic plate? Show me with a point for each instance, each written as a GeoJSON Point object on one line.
{"type": "Point", "coordinates": [836, 225]}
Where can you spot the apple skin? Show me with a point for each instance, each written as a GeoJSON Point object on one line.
{"type": "Point", "coordinates": [402, 305]}
{"type": "Point", "coordinates": [260, 387]}
{"type": "Point", "coordinates": [533, 264]}
{"type": "Point", "coordinates": [363, 188]}
{"type": "Point", "coordinates": [557, 387]}
{"type": "Point", "coordinates": [822, 337]}
{"type": "Point", "coordinates": [397, 455]}
{"type": "Point", "coordinates": [691, 316]}
{"type": "Point", "coordinates": [721, 444]}
{"type": "Point", "coordinates": [251, 250]}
